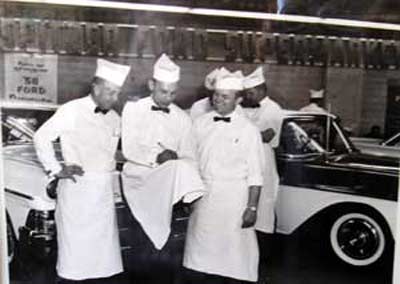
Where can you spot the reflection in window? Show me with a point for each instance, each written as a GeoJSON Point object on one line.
{"type": "Point", "coordinates": [302, 137]}
{"type": "Point", "coordinates": [19, 125]}
{"type": "Point", "coordinates": [17, 129]}
{"type": "Point", "coordinates": [337, 144]}
{"type": "Point", "coordinates": [394, 141]}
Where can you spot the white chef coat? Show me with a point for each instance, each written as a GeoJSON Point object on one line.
{"type": "Point", "coordinates": [268, 115]}
{"type": "Point", "coordinates": [313, 107]}
{"type": "Point", "coordinates": [229, 159]}
{"type": "Point", "coordinates": [150, 189]}
{"type": "Point", "coordinates": [200, 107]}
{"type": "Point", "coordinates": [87, 234]}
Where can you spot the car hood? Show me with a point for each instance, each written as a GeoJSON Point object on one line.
{"type": "Point", "coordinates": [365, 141]}
{"type": "Point", "coordinates": [363, 161]}
{"type": "Point", "coordinates": [24, 177]}
{"type": "Point", "coordinates": [24, 153]}
{"type": "Point", "coordinates": [379, 150]}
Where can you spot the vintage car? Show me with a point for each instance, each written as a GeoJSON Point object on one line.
{"type": "Point", "coordinates": [326, 184]}
{"type": "Point", "coordinates": [29, 212]}
{"type": "Point", "coordinates": [348, 197]}
{"type": "Point", "coordinates": [389, 147]}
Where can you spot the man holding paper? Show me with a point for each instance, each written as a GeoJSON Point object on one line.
{"type": "Point", "coordinates": [160, 168]}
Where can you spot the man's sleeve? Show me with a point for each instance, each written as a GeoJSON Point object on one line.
{"type": "Point", "coordinates": [186, 149]}
{"type": "Point", "coordinates": [134, 148]}
{"type": "Point", "coordinates": [272, 118]}
{"type": "Point", "coordinates": [60, 122]}
{"type": "Point", "coordinates": [277, 126]}
{"type": "Point", "coordinates": [255, 158]}
{"type": "Point", "coordinates": [194, 112]}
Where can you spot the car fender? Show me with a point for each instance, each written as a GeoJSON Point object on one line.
{"type": "Point", "coordinates": [18, 206]}
{"type": "Point", "coordinates": [296, 205]}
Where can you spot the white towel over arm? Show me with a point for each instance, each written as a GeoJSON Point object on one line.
{"type": "Point", "coordinates": [152, 195]}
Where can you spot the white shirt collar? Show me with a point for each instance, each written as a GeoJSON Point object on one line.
{"type": "Point", "coordinates": [89, 102]}
{"type": "Point", "coordinates": [265, 100]}
{"type": "Point", "coordinates": [155, 104]}
{"type": "Point", "coordinates": [232, 115]}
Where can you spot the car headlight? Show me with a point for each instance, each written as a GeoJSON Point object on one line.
{"type": "Point", "coordinates": [41, 223]}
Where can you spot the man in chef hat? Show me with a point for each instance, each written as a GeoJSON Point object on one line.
{"type": "Point", "coordinates": [203, 106]}
{"type": "Point", "coordinates": [160, 168]}
{"type": "Point", "coordinates": [261, 109]}
{"type": "Point", "coordinates": [267, 115]}
{"type": "Point", "coordinates": [316, 102]}
{"type": "Point", "coordinates": [221, 243]}
{"type": "Point", "coordinates": [89, 130]}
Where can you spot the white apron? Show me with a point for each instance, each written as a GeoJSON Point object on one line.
{"type": "Point", "coordinates": [215, 242]}
{"type": "Point", "coordinates": [266, 205]}
{"type": "Point", "coordinates": [87, 233]}
{"type": "Point", "coordinates": [152, 192]}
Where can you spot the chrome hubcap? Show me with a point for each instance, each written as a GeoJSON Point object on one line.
{"type": "Point", "coordinates": [358, 238]}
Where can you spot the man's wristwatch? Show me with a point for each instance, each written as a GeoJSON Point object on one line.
{"type": "Point", "coordinates": [252, 208]}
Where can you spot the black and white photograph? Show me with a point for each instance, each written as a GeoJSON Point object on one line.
{"type": "Point", "coordinates": [199, 142]}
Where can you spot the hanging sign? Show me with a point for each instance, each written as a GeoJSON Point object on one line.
{"type": "Point", "coordinates": [31, 77]}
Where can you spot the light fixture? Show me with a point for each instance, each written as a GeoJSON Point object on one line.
{"type": "Point", "coordinates": [217, 13]}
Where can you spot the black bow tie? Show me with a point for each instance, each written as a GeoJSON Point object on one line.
{"type": "Point", "coordinates": [257, 105]}
{"type": "Point", "coordinates": [98, 109]}
{"type": "Point", "coordinates": [220, 118]}
{"type": "Point", "coordinates": [157, 108]}
{"type": "Point", "coordinates": [247, 104]}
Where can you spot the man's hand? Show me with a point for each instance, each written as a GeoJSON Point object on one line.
{"type": "Point", "coordinates": [166, 155]}
{"type": "Point", "coordinates": [188, 208]}
{"type": "Point", "coordinates": [267, 135]}
{"type": "Point", "coordinates": [249, 218]}
{"type": "Point", "coordinates": [69, 171]}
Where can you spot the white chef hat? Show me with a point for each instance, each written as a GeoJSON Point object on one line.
{"type": "Point", "coordinates": [317, 94]}
{"type": "Point", "coordinates": [165, 70]}
{"type": "Point", "coordinates": [112, 72]}
{"type": "Point", "coordinates": [254, 79]}
{"type": "Point", "coordinates": [230, 81]}
{"type": "Point", "coordinates": [209, 81]}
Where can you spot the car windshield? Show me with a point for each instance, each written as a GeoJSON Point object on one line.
{"type": "Point", "coordinates": [19, 125]}
{"type": "Point", "coordinates": [338, 142]}
{"type": "Point", "coordinates": [393, 141]}
{"type": "Point", "coordinates": [302, 136]}
{"type": "Point", "coordinates": [308, 135]}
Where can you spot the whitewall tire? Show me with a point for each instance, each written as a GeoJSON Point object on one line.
{"type": "Point", "coordinates": [357, 239]}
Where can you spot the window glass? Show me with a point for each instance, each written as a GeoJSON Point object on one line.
{"type": "Point", "coordinates": [336, 144]}
{"type": "Point", "coordinates": [394, 141]}
{"type": "Point", "coordinates": [19, 125]}
{"type": "Point", "coordinates": [303, 136]}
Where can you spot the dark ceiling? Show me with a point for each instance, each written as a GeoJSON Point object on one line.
{"type": "Point", "coordinates": [371, 10]}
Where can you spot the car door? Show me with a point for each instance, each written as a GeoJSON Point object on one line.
{"type": "Point", "coordinates": [306, 176]}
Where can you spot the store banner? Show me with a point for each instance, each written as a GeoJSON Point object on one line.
{"type": "Point", "coordinates": [30, 77]}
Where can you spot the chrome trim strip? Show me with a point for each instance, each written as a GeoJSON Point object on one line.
{"type": "Point", "coordinates": [23, 195]}
{"type": "Point", "coordinates": [9, 104]}
{"type": "Point", "coordinates": [347, 167]}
